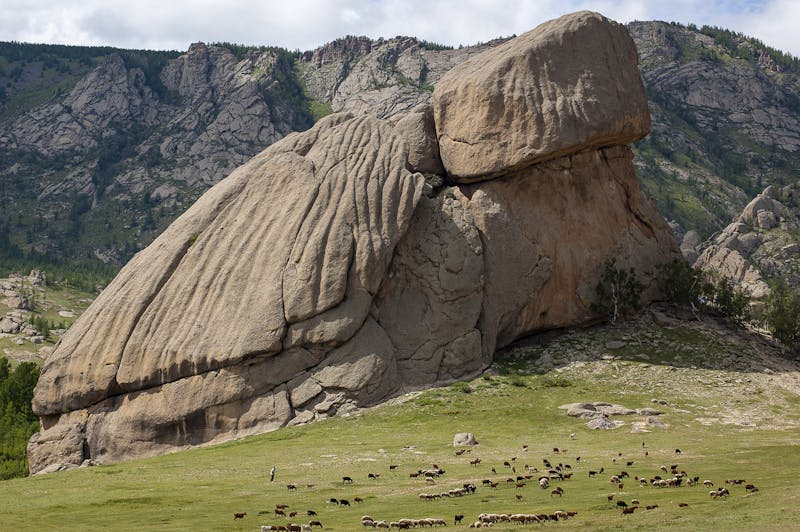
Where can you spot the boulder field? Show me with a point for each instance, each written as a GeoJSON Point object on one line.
{"type": "Point", "coordinates": [363, 258]}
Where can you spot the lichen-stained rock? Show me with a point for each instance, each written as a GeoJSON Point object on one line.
{"type": "Point", "coordinates": [547, 232]}
{"type": "Point", "coordinates": [418, 129]}
{"type": "Point", "coordinates": [305, 228]}
{"type": "Point", "coordinates": [568, 85]}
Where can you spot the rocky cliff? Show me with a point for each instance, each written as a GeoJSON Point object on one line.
{"type": "Point", "coordinates": [762, 244]}
{"type": "Point", "coordinates": [335, 269]}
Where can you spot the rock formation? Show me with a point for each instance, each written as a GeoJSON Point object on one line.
{"type": "Point", "coordinates": [327, 274]}
{"type": "Point", "coordinates": [761, 244]}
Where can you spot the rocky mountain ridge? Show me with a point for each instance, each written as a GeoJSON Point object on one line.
{"type": "Point", "coordinates": [106, 147]}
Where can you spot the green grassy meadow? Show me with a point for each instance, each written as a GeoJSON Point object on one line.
{"type": "Point", "coordinates": [202, 488]}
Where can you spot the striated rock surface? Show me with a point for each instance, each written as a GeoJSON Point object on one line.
{"type": "Point", "coordinates": [563, 97]}
{"type": "Point", "coordinates": [318, 278]}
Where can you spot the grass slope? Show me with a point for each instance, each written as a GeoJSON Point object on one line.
{"type": "Point", "coordinates": [703, 371]}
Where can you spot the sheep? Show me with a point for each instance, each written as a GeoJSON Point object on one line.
{"type": "Point", "coordinates": [622, 504]}
{"type": "Point", "coordinates": [626, 511]}
{"type": "Point", "coordinates": [457, 519]}
{"type": "Point", "coordinates": [392, 467]}
{"type": "Point", "coordinates": [239, 515]}
{"type": "Point", "coordinates": [558, 491]}
{"type": "Point", "coordinates": [381, 524]}
{"type": "Point", "coordinates": [291, 487]}
{"type": "Point", "coordinates": [358, 499]}
{"type": "Point", "coordinates": [708, 483]}
{"type": "Point", "coordinates": [315, 523]}
{"type": "Point", "coordinates": [651, 507]}
{"type": "Point", "coordinates": [344, 502]}
{"type": "Point", "coordinates": [311, 513]}
{"type": "Point", "coordinates": [372, 476]}
{"type": "Point", "coordinates": [292, 514]}
{"type": "Point", "coordinates": [544, 483]}
{"type": "Point", "coordinates": [635, 502]}
{"type": "Point", "coordinates": [751, 488]}
{"type": "Point", "coordinates": [347, 480]}
{"type": "Point", "coordinates": [278, 511]}
{"type": "Point", "coordinates": [333, 501]}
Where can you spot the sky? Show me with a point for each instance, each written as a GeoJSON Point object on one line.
{"type": "Point", "coordinates": [306, 24]}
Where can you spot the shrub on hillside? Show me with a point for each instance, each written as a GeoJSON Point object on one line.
{"type": "Point", "coordinates": [17, 420]}
{"type": "Point", "coordinates": [782, 314]}
{"type": "Point", "coordinates": [731, 301]}
{"type": "Point", "coordinates": [682, 284]}
{"type": "Point", "coordinates": [619, 292]}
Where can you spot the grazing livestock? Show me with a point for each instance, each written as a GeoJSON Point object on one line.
{"type": "Point", "coordinates": [239, 515]}
{"type": "Point", "coordinates": [558, 491]}
{"type": "Point", "coordinates": [457, 519]}
{"type": "Point", "coordinates": [292, 514]}
{"type": "Point", "coordinates": [392, 467]}
{"type": "Point", "coordinates": [280, 512]}
{"type": "Point", "coordinates": [651, 507]}
{"type": "Point", "coordinates": [291, 487]}
{"type": "Point", "coordinates": [708, 483]}
{"type": "Point", "coordinates": [358, 499]}
{"type": "Point", "coordinates": [626, 511]}
{"type": "Point", "coordinates": [311, 513]}
{"type": "Point", "coordinates": [678, 451]}
{"type": "Point", "coordinates": [373, 476]}
{"type": "Point", "coordinates": [622, 504]}
{"type": "Point", "coordinates": [347, 480]}
{"type": "Point", "coordinates": [683, 505]}
{"type": "Point", "coordinates": [635, 502]}
{"type": "Point", "coordinates": [315, 523]}
{"type": "Point", "coordinates": [751, 488]}
{"type": "Point", "coordinates": [344, 502]}
{"type": "Point", "coordinates": [281, 506]}
{"type": "Point", "coordinates": [475, 461]}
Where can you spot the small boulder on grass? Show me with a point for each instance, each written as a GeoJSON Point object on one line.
{"type": "Point", "coordinates": [464, 438]}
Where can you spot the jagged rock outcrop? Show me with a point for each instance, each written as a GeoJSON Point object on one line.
{"type": "Point", "coordinates": [318, 278]}
{"type": "Point", "coordinates": [761, 244]}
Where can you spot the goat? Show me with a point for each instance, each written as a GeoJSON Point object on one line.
{"type": "Point", "coordinates": [239, 515]}
{"type": "Point", "coordinates": [630, 510]}
{"type": "Point", "coordinates": [315, 523]}
{"type": "Point", "coordinates": [457, 519]}
{"type": "Point", "coordinates": [651, 507]}
{"type": "Point", "coordinates": [344, 502]}
{"type": "Point", "coordinates": [311, 513]}
{"type": "Point", "coordinates": [291, 487]}
{"type": "Point", "coordinates": [622, 504]}
{"type": "Point", "coordinates": [347, 480]}
{"type": "Point", "coordinates": [358, 499]}
{"type": "Point", "coordinates": [372, 476]}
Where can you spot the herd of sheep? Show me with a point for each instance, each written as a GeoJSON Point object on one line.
{"type": "Point", "coordinates": [668, 477]}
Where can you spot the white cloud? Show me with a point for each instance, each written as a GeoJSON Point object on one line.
{"type": "Point", "coordinates": [305, 24]}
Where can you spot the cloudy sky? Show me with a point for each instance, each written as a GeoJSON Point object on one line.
{"type": "Point", "coordinates": [305, 24]}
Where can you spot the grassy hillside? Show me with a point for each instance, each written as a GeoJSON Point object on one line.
{"type": "Point", "coordinates": [731, 407]}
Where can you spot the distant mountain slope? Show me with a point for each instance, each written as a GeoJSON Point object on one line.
{"type": "Point", "coordinates": [726, 121]}
{"type": "Point", "coordinates": [102, 148]}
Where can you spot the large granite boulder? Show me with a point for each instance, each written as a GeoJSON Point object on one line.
{"type": "Point", "coordinates": [318, 278]}
{"type": "Point", "coordinates": [570, 84]}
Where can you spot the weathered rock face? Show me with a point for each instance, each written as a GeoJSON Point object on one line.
{"type": "Point", "coordinates": [489, 122]}
{"type": "Point", "coordinates": [761, 244]}
{"type": "Point", "coordinates": [317, 278]}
